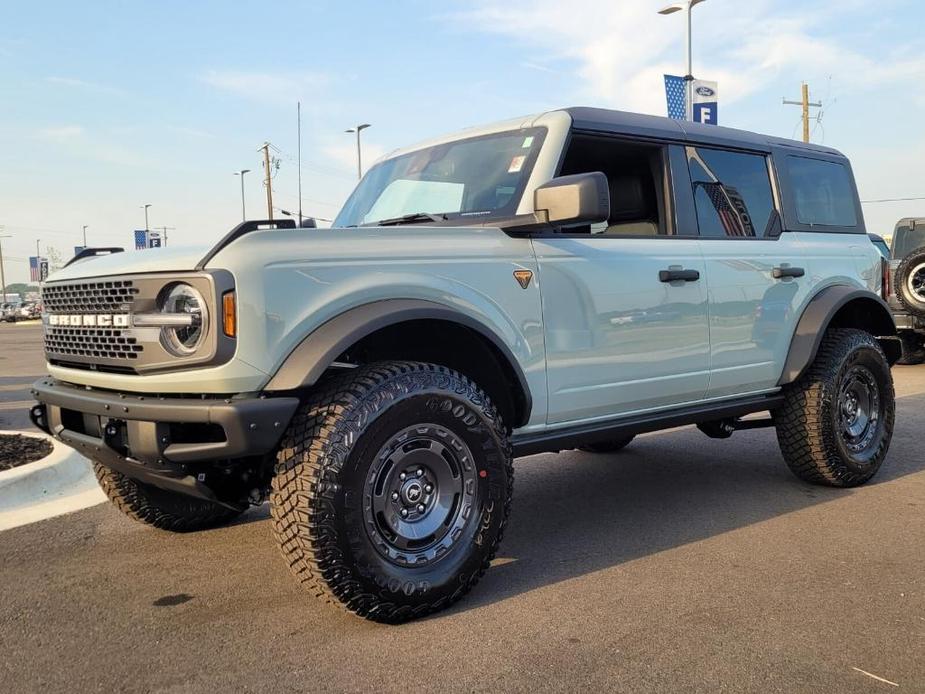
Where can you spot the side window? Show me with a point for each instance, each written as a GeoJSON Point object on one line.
{"type": "Point", "coordinates": [636, 179]}
{"type": "Point", "coordinates": [822, 192]}
{"type": "Point", "coordinates": [732, 192]}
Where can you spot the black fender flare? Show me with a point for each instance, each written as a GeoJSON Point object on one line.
{"type": "Point", "coordinates": [817, 317]}
{"type": "Point", "coordinates": [319, 349]}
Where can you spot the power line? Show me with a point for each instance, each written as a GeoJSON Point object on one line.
{"type": "Point", "coordinates": [920, 197]}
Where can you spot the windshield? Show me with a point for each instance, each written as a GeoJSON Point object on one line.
{"type": "Point", "coordinates": [479, 177]}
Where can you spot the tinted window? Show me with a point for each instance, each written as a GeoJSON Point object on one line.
{"type": "Point", "coordinates": [822, 192]}
{"type": "Point", "coordinates": [906, 239]}
{"type": "Point", "coordinates": [732, 192]}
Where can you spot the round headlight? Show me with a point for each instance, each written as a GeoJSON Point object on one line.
{"type": "Point", "coordinates": [183, 300]}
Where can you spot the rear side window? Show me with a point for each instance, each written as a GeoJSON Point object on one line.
{"type": "Point", "coordinates": [732, 192]}
{"type": "Point", "coordinates": [822, 192]}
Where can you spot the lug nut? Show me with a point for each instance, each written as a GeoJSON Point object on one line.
{"type": "Point", "coordinates": [402, 476]}
{"type": "Point", "coordinates": [420, 472]}
{"type": "Point", "coordinates": [420, 508]}
{"type": "Point", "coordinates": [394, 496]}
{"type": "Point", "coordinates": [428, 488]}
{"type": "Point", "coordinates": [404, 513]}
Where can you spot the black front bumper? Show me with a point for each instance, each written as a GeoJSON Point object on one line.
{"type": "Point", "coordinates": [160, 439]}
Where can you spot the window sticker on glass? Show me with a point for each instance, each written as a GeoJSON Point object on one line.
{"type": "Point", "coordinates": [517, 163]}
{"type": "Point", "coordinates": [528, 141]}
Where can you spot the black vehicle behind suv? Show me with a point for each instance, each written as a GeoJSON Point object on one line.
{"type": "Point", "coordinates": [907, 300]}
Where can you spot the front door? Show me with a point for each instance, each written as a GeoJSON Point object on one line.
{"type": "Point", "coordinates": [622, 336]}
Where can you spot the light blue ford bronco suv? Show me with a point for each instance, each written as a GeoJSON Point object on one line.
{"type": "Point", "coordinates": [559, 281]}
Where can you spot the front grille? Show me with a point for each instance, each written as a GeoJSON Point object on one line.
{"type": "Point", "coordinates": [114, 296]}
{"type": "Point", "coordinates": [91, 342]}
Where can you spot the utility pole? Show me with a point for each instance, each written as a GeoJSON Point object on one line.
{"type": "Point", "coordinates": [805, 103]}
{"type": "Point", "coordinates": [2, 275]}
{"type": "Point", "coordinates": [164, 231]}
{"type": "Point", "coordinates": [85, 234]}
{"type": "Point", "coordinates": [146, 206]}
{"type": "Point", "coordinates": [268, 181]}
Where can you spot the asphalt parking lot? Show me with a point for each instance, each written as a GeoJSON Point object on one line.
{"type": "Point", "coordinates": [680, 564]}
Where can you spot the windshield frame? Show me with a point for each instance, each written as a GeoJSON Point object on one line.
{"type": "Point", "coordinates": [539, 134]}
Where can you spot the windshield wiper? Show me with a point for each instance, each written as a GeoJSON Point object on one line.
{"type": "Point", "coordinates": [412, 218]}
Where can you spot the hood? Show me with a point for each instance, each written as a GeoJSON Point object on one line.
{"type": "Point", "coordinates": [173, 259]}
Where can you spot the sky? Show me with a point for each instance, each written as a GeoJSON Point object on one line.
{"type": "Point", "coordinates": [107, 106]}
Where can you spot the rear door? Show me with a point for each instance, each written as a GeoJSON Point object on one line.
{"type": "Point", "coordinates": [755, 275]}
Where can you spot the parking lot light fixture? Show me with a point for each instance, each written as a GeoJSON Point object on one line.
{"type": "Point", "coordinates": [687, 6]}
{"type": "Point", "coordinates": [358, 129]}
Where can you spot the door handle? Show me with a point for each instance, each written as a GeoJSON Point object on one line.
{"type": "Point", "coordinates": [781, 272]}
{"type": "Point", "coordinates": [678, 275]}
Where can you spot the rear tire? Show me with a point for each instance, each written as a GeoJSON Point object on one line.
{"type": "Point", "coordinates": [160, 508]}
{"type": "Point", "coordinates": [611, 446]}
{"type": "Point", "coordinates": [836, 423]}
{"type": "Point", "coordinates": [913, 351]}
{"type": "Point", "coordinates": [392, 489]}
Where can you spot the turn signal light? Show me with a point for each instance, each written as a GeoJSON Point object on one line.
{"type": "Point", "coordinates": [229, 311]}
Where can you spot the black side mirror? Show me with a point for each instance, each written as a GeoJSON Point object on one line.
{"type": "Point", "coordinates": [578, 199]}
{"type": "Point", "coordinates": [308, 223]}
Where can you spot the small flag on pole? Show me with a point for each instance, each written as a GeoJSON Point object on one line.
{"type": "Point", "coordinates": [674, 94]}
{"type": "Point", "coordinates": [38, 268]}
{"type": "Point", "coordinates": [141, 239]}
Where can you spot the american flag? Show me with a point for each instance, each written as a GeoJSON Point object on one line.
{"type": "Point", "coordinates": [731, 208]}
{"type": "Point", "coordinates": [38, 268]}
{"type": "Point", "coordinates": [674, 93]}
{"type": "Point", "coordinates": [141, 239]}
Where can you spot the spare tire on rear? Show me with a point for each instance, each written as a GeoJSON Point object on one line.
{"type": "Point", "coordinates": [909, 282]}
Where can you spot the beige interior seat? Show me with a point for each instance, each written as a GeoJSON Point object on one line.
{"type": "Point", "coordinates": [629, 212]}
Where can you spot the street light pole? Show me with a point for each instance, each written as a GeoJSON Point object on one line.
{"type": "Point", "coordinates": [687, 6]}
{"type": "Point", "coordinates": [2, 275]}
{"type": "Point", "coordinates": [241, 174]}
{"type": "Point", "coordinates": [85, 234]}
{"type": "Point", "coordinates": [358, 129]}
{"type": "Point", "coordinates": [146, 206]}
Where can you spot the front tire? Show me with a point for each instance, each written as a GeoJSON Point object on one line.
{"type": "Point", "coordinates": [160, 508]}
{"type": "Point", "coordinates": [393, 485]}
{"type": "Point", "coordinates": [836, 423]}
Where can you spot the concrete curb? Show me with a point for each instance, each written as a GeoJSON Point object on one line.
{"type": "Point", "coordinates": [60, 483]}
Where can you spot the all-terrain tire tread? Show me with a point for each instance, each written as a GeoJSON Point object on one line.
{"type": "Point", "coordinates": [306, 475]}
{"type": "Point", "coordinates": [159, 508]}
{"type": "Point", "coordinates": [806, 441]}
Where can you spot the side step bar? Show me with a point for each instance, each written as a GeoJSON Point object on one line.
{"type": "Point", "coordinates": [574, 437]}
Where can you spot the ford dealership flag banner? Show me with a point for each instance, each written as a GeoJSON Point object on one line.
{"type": "Point", "coordinates": [706, 98]}
{"type": "Point", "coordinates": [154, 239]}
{"type": "Point", "coordinates": [705, 101]}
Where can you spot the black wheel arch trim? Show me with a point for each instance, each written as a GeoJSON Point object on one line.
{"type": "Point", "coordinates": [318, 350]}
{"type": "Point", "coordinates": [816, 318]}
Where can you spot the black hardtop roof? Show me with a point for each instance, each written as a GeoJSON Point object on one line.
{"type": "Point", "coordinates": [627, 123]}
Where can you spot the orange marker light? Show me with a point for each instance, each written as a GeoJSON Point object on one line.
{"type": "Point", "coordinates": [228, 314]}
